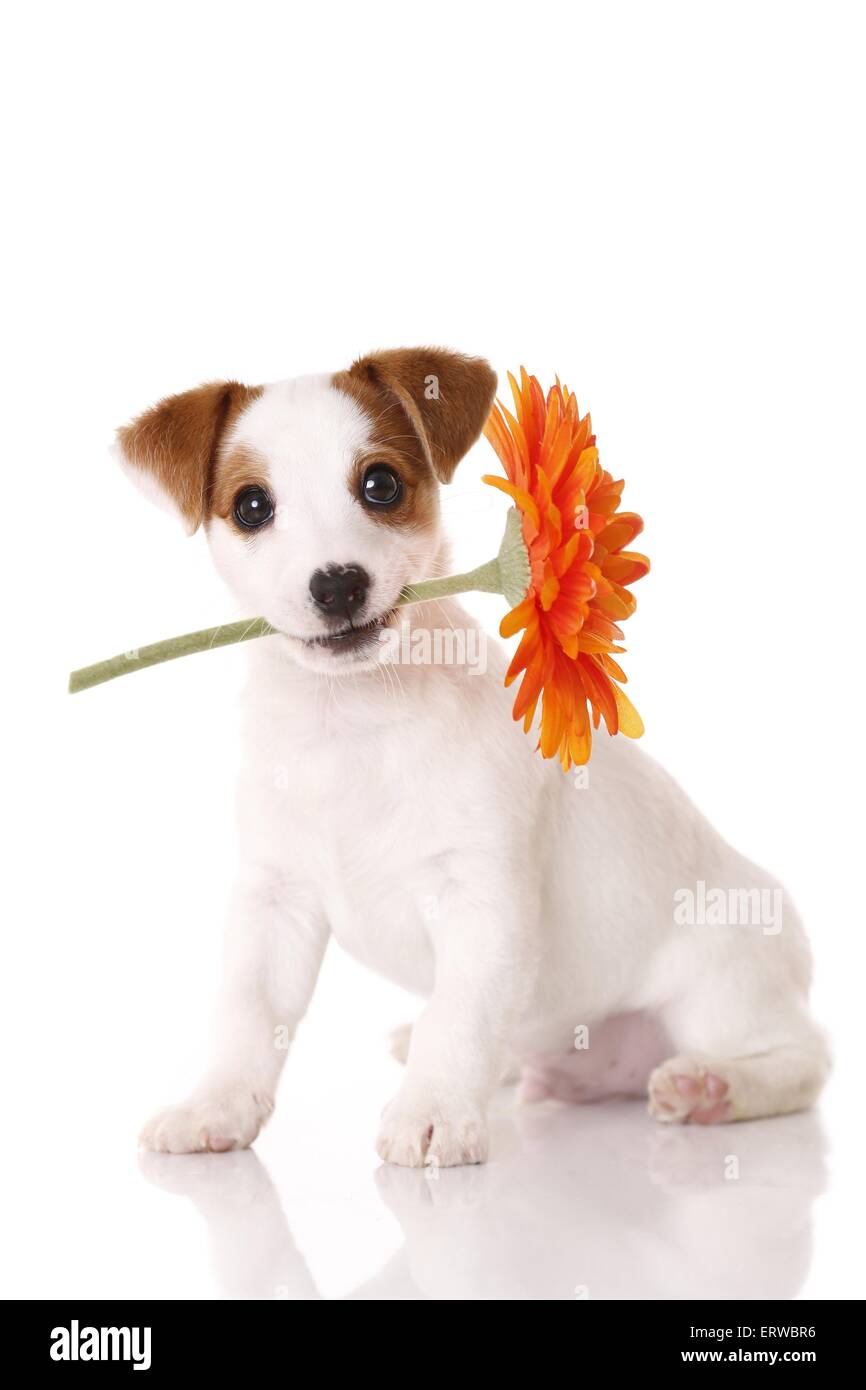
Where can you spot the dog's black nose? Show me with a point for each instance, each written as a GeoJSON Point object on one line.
{"type": "Point", "coordinates": [339, 591]}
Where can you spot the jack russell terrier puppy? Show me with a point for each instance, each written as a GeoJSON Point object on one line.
{"type": "Point", "coordinates": [559, 933]}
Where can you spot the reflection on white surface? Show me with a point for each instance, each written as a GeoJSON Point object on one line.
{"type": "Point", "coordinates": [595, 1202]}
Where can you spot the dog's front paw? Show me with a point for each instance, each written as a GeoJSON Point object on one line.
{"type": "Point", "coordinates": [418, 1136]}
{"type": "Point", "coordinates": [212, 1123]}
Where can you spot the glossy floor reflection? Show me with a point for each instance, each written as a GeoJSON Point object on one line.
{"type": "Point", "coordinates": [596, 1202]}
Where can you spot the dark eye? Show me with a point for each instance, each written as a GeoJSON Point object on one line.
{"type": "Point", "coordinates": [253, 507]}
{"type": "Point", "coordinates": [381, 485]}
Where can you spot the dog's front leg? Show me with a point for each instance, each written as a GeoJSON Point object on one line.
{"type": "Point", "coordinates": [274, 945]}
{"type": "Point", "coordinates": [438, 1116]}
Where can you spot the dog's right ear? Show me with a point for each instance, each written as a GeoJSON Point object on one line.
{"type": "Point", "coordinates": [170, 450]}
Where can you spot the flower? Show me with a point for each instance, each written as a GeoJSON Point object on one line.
{"type": "Point", "coordinates": [580, 571]}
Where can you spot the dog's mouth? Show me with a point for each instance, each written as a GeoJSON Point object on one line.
{"type": "Point", "coordinates": [351, 638]}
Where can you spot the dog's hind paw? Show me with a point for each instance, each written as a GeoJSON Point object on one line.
{"type": "Point", "coordinates": [682, 1091]}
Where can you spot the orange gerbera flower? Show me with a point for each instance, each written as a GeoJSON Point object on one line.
{"type": "Point", "coordinates": [580, 571]}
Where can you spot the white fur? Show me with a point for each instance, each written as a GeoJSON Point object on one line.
{"type": "Point", "coordinates": [402, 810]}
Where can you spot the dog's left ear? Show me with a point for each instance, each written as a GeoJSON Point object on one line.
{"type": "Point", "coordinates": [446, 396]}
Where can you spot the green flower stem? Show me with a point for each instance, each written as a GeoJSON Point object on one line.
{"type": "Point", "coordinates": [167, 650]}
{"type": "Point", "coordinates": [487, 578]}
{"type": "Point", "coordinates": [507, 574]}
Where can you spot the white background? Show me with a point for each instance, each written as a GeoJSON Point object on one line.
{"type": "Point", "coordinates": [662, 203]}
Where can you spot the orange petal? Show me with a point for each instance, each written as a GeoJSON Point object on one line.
{"type": "Point", "coordinates": [619, 603]}
{"type": "Point", "coordinates": [621, 531]}
{"type": "Point", "coordinates": [626, 567]}
{"type": "Point", "coordinates": [600, 689]}
{"type": "Point", "coordinates": [518, 617]}
{"type": "Point", "coordinates": [630, 722]}
{"type": "Point", "coordinates": [525, 503]}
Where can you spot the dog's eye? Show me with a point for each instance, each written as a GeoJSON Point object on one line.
{"type": "Point", "coordinates": [381, 485]}
{"type": "Point", "coordinates": [253, 507]}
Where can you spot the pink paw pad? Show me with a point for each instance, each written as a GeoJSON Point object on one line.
{"type": "Point", "coordinates": [696, 1097]}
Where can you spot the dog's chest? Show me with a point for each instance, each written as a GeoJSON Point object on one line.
{"type": "Point", "coordinates": [380, 870]}
{"type": "Point", "coordinates": [377, 801]}
{"type": "Point", "coordinates": [370, 829]}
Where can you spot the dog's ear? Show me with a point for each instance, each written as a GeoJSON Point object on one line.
{"type": "Point", "coordinates": [446, 396]}
{"type": "Point", "coordinates": [170, 450]}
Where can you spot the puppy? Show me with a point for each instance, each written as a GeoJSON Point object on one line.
{"type": "Point", "coordinates": [605, 941]}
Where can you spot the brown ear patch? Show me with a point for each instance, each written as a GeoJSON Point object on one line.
{"type": "Point", "coordinates": [177, 440]}
{"type": "Point", "coordinates": [444, 397]}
